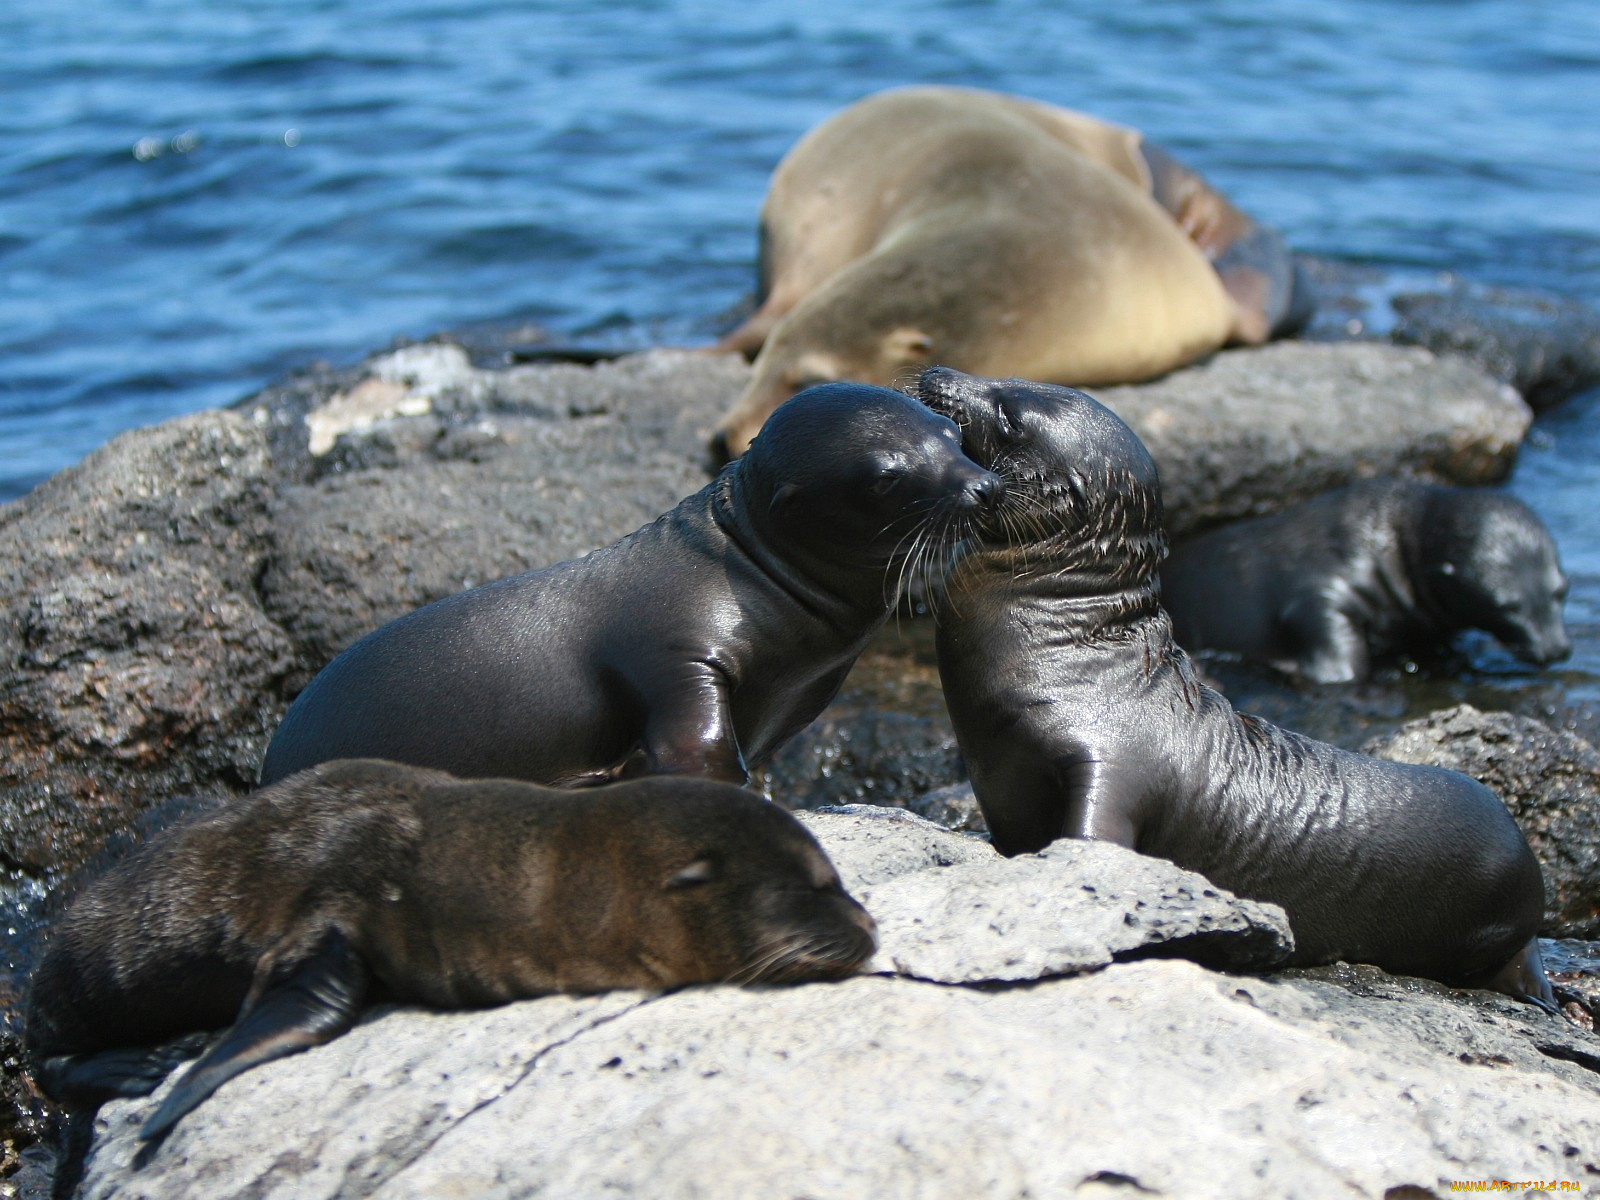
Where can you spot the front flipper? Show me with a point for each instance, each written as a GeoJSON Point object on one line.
{"type": "Point", "coordinates": [1095, 811]}
{"type": "Point", "coordinates": [1523, 978]}
{"type": "Point", "coordinates": [304, 1002]}
{"type": "Point", "coordinates": [1324, 644]}
{"type": "Point", "coordinates": [690, 731]}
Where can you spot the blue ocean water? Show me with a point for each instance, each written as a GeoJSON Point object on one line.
{"type": "Point", "coordinates": [197, 196]}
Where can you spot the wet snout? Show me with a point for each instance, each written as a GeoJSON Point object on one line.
{"type": "Point", "coordinates": [942, 389]}
{"type": "Point", "coordinates": [976, 490]}
{"type": "Point", "coordinates": [1543, 646]}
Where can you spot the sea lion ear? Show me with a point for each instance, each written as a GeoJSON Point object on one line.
{"type": "Point", "coordinates": [908, 343]}
{"type": "Point", "coordinates": [782, 496]}
{"type": "Point", "coordinates": [701, 870]}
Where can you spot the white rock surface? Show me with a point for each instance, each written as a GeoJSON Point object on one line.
{"type": "Point", "coordinates": [1074, 906]}
{"type": "Point", "coordinates": [1153, 1078]}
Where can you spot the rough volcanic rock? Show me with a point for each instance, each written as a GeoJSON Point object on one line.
{"type": "Point", "coordinates": [161, 602]}
{"type": "Point", "coordinates": [1153, 1078]}
{"type": "Point", "coordinates": [1254, 431]}
{"type": "Point", "coordinates": [871, 845]}
{"type": "Point", "coordinates": [1549, 779]}
{"type": "Point", "coordinates": [1072, 907]}
{"type": "Point", "coordinates": [1546, 347]}
{"type": "Point", "coordinates": [954, 806]}
{"type": "Point", "coordinates": [853, 754]}
{"type": "Point", "coordinates": [440, 476]}
{"type": "Point", "coordinates": [134, 659]}
{"type": "Point", "coordinates": [1573, 966]}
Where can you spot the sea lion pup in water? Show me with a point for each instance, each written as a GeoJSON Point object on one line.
{"type": "Point", "coordinates": [1373, 571]}
{"type": "Point", "coordinates": [285, 912]}
{"type": "Point", "coordinates": [1078, 716]}
{"type": "Point", "coordinates": [695, 646]}
{"type": "Point", "coordinates": [1002, 236]}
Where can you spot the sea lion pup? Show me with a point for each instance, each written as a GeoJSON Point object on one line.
{"type": "Point", "coordinates": [1373, 571]}
{"type": "Point", "coordinates": [695, 646]}
{"type": "Point", "coordinates": [284, 912]}
{"type": "Point", "coordinates": [1000, 235]}
{"type": "Point", "coordinates": [1079, 716]}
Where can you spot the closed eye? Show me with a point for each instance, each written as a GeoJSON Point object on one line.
{"type": "Point", "coordinates": [885, 483]}
{"type": "Point", "coordinates": [1004, 428]}
{"type": "Point", "coordinates": [698, 873]}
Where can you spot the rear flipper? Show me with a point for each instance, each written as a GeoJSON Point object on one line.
{"type": "Point", "coordinates": [305, 1001]}
{"type": "Point", "coordinates": [1523, 978]}
{"type": "Point", "coordinates": [81, 1083]}
{"type": "Point", "coordinates": [89, 1080]}
{"type": "Point", "coordinates": [1261, 275]}
{"type": "Point", "coordinates": [1272, 296]}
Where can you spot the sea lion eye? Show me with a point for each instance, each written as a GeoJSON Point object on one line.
{"type": "Point", "coordinates": [1004, 428]}
{"type": "Point", "coordinates": [700, 871]}
{"type": "Point", "coordinates": [888, 479]}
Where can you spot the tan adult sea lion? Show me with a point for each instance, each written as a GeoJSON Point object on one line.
{"type": "Point", "coordinates": [1000, 236]}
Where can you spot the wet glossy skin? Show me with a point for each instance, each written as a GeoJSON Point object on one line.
{"type": "Point", "coordinates": [697, 645]}
{"type": "Point", "coordinates": [1078, 716]}
{"type": "Point", "coordinates": [1370, 572]}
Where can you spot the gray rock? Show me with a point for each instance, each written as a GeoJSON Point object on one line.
{"type": "Point", "coordinates": [450, 476]}
{"type": "Point", "coordinates": [1253, 431]}
{"type": "Point", "coordinates": [1150, 1078]}
{"type": "Point", "coordinates": [862, 753]}
{"type": "Point", "coordinates": [954, 806]}
{"type": "Point", "coordinates": [164, 599]}
{"type": "Point", "coordinates": [1158, 1076]}
{"type": "Point", "coordinates": [1549, 779]}
{"type": "Point", "coordinates": [135, 661]}
{"type": "Point", "coordinates": [1072, 907]}
{"type": "Point", "coordinates": [870, 845]}
{"type": "Point", "coordinates": [1546, 347]}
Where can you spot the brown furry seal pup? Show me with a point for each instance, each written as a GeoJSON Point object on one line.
{"type": "Point", "coordinates": [697, 645]}
{"type": "Point", "coordinates": [280, 915]}
{"type": "Point", "coordinates": [1000, 235]}
{"type": "Point", "coordinates": [1369, 572]}
{"type": "Point", "coordinates": [1079, 716]}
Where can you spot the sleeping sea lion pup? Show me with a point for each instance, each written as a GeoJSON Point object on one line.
{"type": "Point", "coordinates": [1000, 235]}
{"type": "Point", "coordinates": [1078, 716]}
{"type": "Point", "coordinates": [695, 646]}
{"type": "Point", "coordinates": [1376, 570]}
{"type": "Point", "coordinates": [284, 912]}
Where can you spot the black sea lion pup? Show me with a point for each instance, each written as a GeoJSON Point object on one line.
{"type": "Point", "coordinates": [1001, 235]}
{"type": "Point", "coordinates": [1078, 716]}
{"type": "Point", "coordinates": [697, 645]}
{"type": "Point", "coordinates": [1375, 570]}
{"type": "Point", "coordinates": [283, 912]}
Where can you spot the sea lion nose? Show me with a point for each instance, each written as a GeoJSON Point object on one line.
{"type": "Point", "coordinates": [940, 384]}
{"type": "Point", "coordinates": [985, 491]}
{"type": "Point", "coordinates": [1558, 647]}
